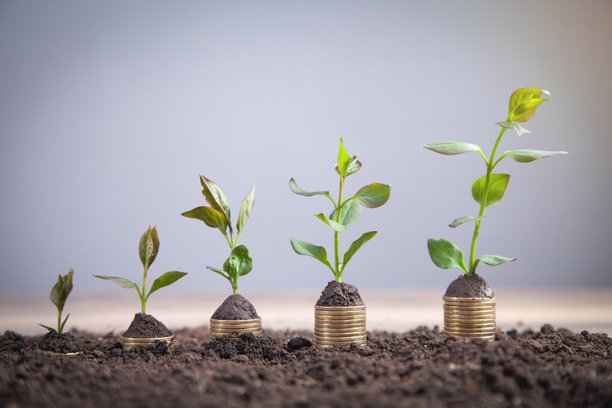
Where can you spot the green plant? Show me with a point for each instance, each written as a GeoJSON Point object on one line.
{"type": "Point", "coordinates": [490, 188]}
{"type": "Point", "coordinates": [218, 216]}
{"type": "Point", "coordinates": [147, 250]}
{"type": "Point", "coordinates": [59, 295]}
{"type": "Point", "coordinates": [346, 211]}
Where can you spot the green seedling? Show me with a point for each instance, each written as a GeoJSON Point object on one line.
{"type": "Point", "coordinates": [147, 250]}
{"type": "Point", "coordinates": [218, 216]}
{"type": "Point", "coordinates": [490, 188]}
{"type": "Point", "coordinates": [346, 211]}
{"type": "Point", "coordinates": [59, 295]}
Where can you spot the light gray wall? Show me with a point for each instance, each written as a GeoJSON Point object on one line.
{"type": "Point", "coordinates": [109, 110]}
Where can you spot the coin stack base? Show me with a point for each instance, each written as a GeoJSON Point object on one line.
{"type": "Point", "coordinates": [132, 342]}
{"type": "Point", "coordinates": [469, 318]}
{"type": "Point", "coordinates": [235, 328]}
{"type": "Point", "coordinates": [340, 326]}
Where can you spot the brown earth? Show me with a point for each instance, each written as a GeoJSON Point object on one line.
{"type": "Point", "coordinates": [470, 286]}
{"type": "Point", "coordinates": [340, 294]}
{"type": "Point", "coordinates": [235, 307]}
{"type": "Point", "coordinates": [421, 368]}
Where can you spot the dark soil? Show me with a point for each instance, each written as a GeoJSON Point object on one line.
{"type": "Point", "coordinates": [340, 294]}
{"type": "Point", "coordinates": [146, 326]}
{"type": "Point", "coordinates": [59, 343]}
{"type": "Point", "coordinates": [235, 307]}
{"type": "Point", "coordinates": [469, 286]}
{"type": "Point", "coordinates": [420, 368]}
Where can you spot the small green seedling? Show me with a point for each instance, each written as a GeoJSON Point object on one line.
{"type": "Point", "coordinates": [346, 211]}
{"type": "Point", "coordinates": [147, 249]}
{"type": "Point", "coordinates": [218, 216]}
{"type": "Point", "coordinates": [490, 188]}
{"type": "Point", "coordinates": [59, 295]}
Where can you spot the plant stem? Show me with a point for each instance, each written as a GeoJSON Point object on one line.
{"type": "Point", "coordinates": [59, 321]}
{"type": "Point", "coordinates": [490, 166]}
{"type": "Point", "coordinates": [337, 273]}
{"type": "Point", "coordinates": [143, 294]}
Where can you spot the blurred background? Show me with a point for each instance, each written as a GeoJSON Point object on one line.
{"type": "Point", "coordinates": [110, 110]}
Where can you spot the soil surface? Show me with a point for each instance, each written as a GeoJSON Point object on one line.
{"type": "Point", "coordinates": [469, 286]}
{"type": "Point", "coordinates": [235, 307]}
{"type": "Point", "coordinates": [146, 326]}
{"type": "Point", "coordinates": [419, 368]}
{"type": "Point", "coordinates": [59, 343]}
{"type": "Point", "coordinates": [340, 294]}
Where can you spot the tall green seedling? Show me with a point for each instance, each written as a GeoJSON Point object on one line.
{"type": "Point", "coordinates": [217, 215]}
{"type": "Point", "coordinates": [59, 295]}
{"type": "Point", "coordinates": [147, 250]}
{"type": "Point", "coordinates": [488, 189]}
{"type": "Point", "coordinates": [345, 211]}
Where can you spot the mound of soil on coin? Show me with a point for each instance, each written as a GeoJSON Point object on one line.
{"type": "Point", "coordinates": [421, 368]}
{"type": "Point", "coordinates": [469, 286]}
{"type": "Point", "coordinates": [59, 343]}
{"type": "Point", "coordinates": [235, 307]}
{"type": "Point", "coordinates": [146, 326]}
{"type": "Point", "coordinates": [340, 294]}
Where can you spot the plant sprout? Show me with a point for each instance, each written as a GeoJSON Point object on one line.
{"type": "Point", "coordinates": [346, 211]}
{"type": "Point", "coordinates": [218, 215]}
{"type": "Point", "coordinates": [490, 188]}
{"type": "Point", "coordinates": [147, 250]}
{"type": "Point", "coordinates": [59, 295]}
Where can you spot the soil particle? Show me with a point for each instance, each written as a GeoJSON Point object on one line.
{"type": "Point", "coordinates": [254, 348]}
{"type": "Point", "coordinates": [469, 286]}
{"type": "Point", "coordinates": [298, 343]}
{"type": "Point", "coordinates": [146, 326]}
{"type": "Point", "coordinates": [340, 294]}
{"type": "Point", "coordinates": [59, 343]}
{"type": "Point", "coordinates": [235, 307]}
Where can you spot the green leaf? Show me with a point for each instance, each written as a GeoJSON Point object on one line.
{"type": "Point", "coordinates": [209, 216]}
{"type": "Point", "coordinates": [239, 262]}
{"type": "Point", "coordinates": [148, 247]}
{"type": "Point", "coordinates": [61, 290]}
{"type": "Point", "coordinates": [123, 282]}
{"type": "Point", "coordinates": [445, 254]}
{"type": "Point", "coordinates": [349, 213]}
{"type": "Point", "coordinates": [462, 220]}
{"type": "Point", "coordinates": [315, 251]}
{"type": "Point", "coordinates": [520, 131]}
{"type": "Point", "coordinates": [497, 187]}
{"type": "Point", "coordinates": [61, 328]}
{"type": "Point", "coordinates": [524, 102]}
{"type": "Point", "coordinates": [216, 198]}
{"type": "Point", "coordinates": [356, 245]}
{"type": "Point", "coordinates": [245, 210]}
{"type": "Point", "coordinates": [354, 166]}
{"type": "Point", "coordinates": [451, 147]}
{"type": "Point", "coordinates": [336, 226]}
{"type": "Point", "coordinates": [297, 190]}
{"type": "Point", "coordinates": [343, 159]}
{"type": "Point", "coordinates": [220, 272]}
{"type": "Point", "coordinates": [51, 329]}
{"type": "Point", "coordinates": [494, 260]}
{"type": "Point", "coordinates": [166, 279]}
{"type": "Point", "coordinates": [373, 195]}
{"type": "Point", "coordinates": [527, 155]}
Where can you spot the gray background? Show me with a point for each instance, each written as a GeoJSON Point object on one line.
{"type": "Point", "coordinates": [109, 111]}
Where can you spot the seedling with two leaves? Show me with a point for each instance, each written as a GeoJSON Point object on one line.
{"type": "Point", "coordinates": [490, 188]}
{"type": "Point", "coordinates": [218, 216]}
{"type": "Point", "coordinates": [59, 295]}
{"type": "Point", "coordinates": [345, 212]}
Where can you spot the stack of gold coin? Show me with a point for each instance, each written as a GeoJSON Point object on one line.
{"type": "Point", "coordinates": [340, 325]}
{"type": "Point", "coordinates": [469, 318]}
{"type": "Point", "coordinates": [131, 342]}
{"type": "Point", "coordinates": [234, 328]}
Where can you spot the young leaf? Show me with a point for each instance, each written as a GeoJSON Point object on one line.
{"type": "Point", "coordinates": [494, 260]}
{"type": "Point", "coordinates": [373, 195]}
{"type": "Point", "coordinates": [220, 272]}
{"type": "Point", "coordinates": [245, 210]}
{"type": "Point", "coordinates": [336, 226]}
{"type": "Point", "coordinates": [343, 159]}
{"type": "Point", "coordinates": [239, 262]}
{"type": "Point", "coordinates": [349, 213]}
{"type": "Point", "coordinates": [149, 246]}
{"type": "Point", "coordinates": [520, 131]}
{"type": "Point", "coordinates": [297, 190]}
{"type": "Point", "coordinates": [524, 102]}
{"type": "Point", "coordinates": [462, 220]}
{"type": "Point", "coordinates": [61, 290]}
{"type": "Point", "coordinates": [123, 282]}
{"type": "Point", "coordinates": [354, 166]}
{"type": "Point", "coordinates": [215, 198]}
{"type": "Point", "coordinates": [166, 279]}
{"type": "Point", "coordinates": [209, 216]}
{"type": "Point", "coordinates": [527, 155]}
{"type": "Point", "coordinates": [445, 254]}
{"type": "Point", "coordinates": [356, 245]}
{"type": "Point", "coordinates": [315, 251]}
{"type": "Point", "coordinates": [51, 329]}
{"type": "Point", "coordinates": [63, 323]}
{"type": "Point", "coordinates": [497, 187]}
{"type": "Point", "coordinates": [451, 148]}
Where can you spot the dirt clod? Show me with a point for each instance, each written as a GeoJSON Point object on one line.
{"type": "Point", "coordinates": [298, 343]}
{"type": "Point", "coordinates": [235, 307]}
{"type": "Point", "coordinates": [469, 286]}
{"type": "Point", "coordinates": [340, 294]}
{"type": "Point", "coordinates": [146, 326]}
{"type": "Point", "coordinates": [59, 343]}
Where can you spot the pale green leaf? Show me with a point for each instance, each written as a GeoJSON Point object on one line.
{"type": "Point", "coordinates": [315, 251]}
{"type": "Point", "coordinates": [462, 220]}
{"type": "Point", "coordinates": [528, 155]}
{"type": "Point", "coordinates": [445, 254]}
{"type": "Point", "coordinates": [497, 187]}
{"type": "Point", "coordinates": [494, 260]}
{"type": "Point", "coordinates": [343, 159]}
{"type": "Point", "coordinates": [220, 272]}
{"type": "Point", "coordinates": [245, 210]}
{"type": "Point", "coordinates": [514, 126]}
{"type": "Point", "coordinates": [524, 102]}
{"type": "Point", "coordinates": [336, 226]}
{"type": "Point", "coordinates": [148, 247]}
{"type": "Point", "coordinates": [209, 216]}
{"type": "Point", "coordinates": [216, 198]}
{"type": "Point", "coordinates": [356, 245]}
{"type": "Point", "coordinates": [451, 147]}
{"type": "Point", "coordinates": [354, 166]}
{"type": "Point", "coordinates": [373, 195]}
{"type": "Point", "coordinates": [123, 282]}
{"type": "Point", "coordinates": [349, 213]}
{"type": "Point", "coordinates": [166, 279]}
{"type": "Point", "coordinates": [297, 190]}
